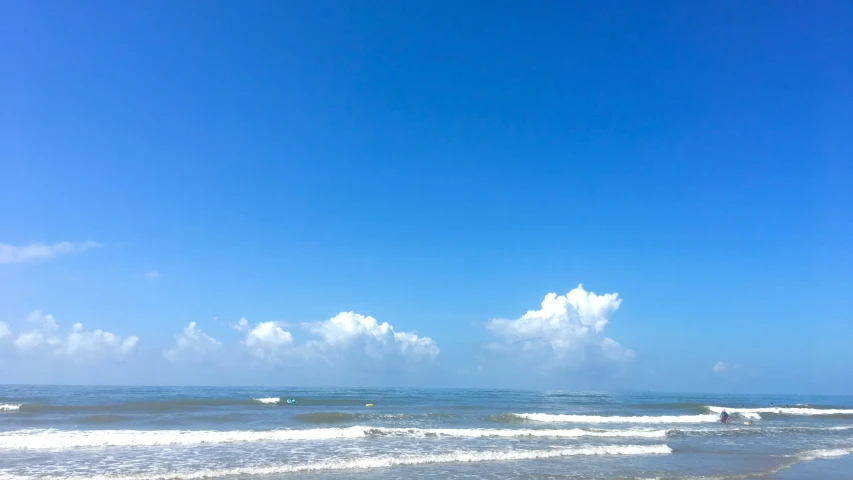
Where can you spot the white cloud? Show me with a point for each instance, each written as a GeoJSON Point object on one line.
{"type": "Point", "coordinates": [723, 367]}
{"type": "Point", "coordinates": [567, 330]}
{"type": "Point", "coordinates": [90, 345]}
{"type": "Point", "coordinates": [344, 338]}
{"type": "Point", "coordinates": [35, 252]}
{"type": "Point", "coordinates": [241, 326]}
{"type": "Point", "coordinates": [151, 275]}
{"type": "Point", "coordinates": [45, 321]}
{"type": "Point", "coordinates": [4, 330]}
{"type": "Point", "coordinates": [78, 345]}
{"type": "Point", "coordinates": [267, 340]}
{"type": "Point", "coordinates": [192, 344]}
{"type": "Point", "coordinates": [363, 334]}
{"type": "Point", "coordinates": [46, 332]}
{"type": "Point", "coordinates": [30, 340]}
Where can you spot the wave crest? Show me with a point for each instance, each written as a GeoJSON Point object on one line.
{"type": "Point", "coordinates": [754, 413]}
{"type": "Point", "coordinates": [50, 439]}
{"type": "Point", "coordinates": [560, 418]}
{"type": "Point", "coordinates": [401, 460]}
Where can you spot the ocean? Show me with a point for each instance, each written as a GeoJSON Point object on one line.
{"type": "Point", "coordinates": [63, 432]}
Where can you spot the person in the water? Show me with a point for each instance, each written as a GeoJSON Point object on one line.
{"type": "Point", "coordinates": [724, 417]}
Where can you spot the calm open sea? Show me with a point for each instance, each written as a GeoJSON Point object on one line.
{"type": "Point", "coordinates": [157, 432]}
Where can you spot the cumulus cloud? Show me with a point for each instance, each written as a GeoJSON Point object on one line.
{"type": "Point", "coordinates": [78, 345]}
{"type": "Point", "coordinates": [267, 340]}
{"type": "Point", "coordinates": [353, 331]}
{"type": "Point", "coordinates": [46, 333]}
{"type": "Point", "coordinates": [36, 252]}
{"type": "Point", "coordinates": [241, 326]}
{"type": "Point", "coordinates": [346, 337]}
{"type": "Point", "coordinates": [568, 330]}
{"type": "Point", "coordinates": [89, 345]}
{"type": "Point", "coordinates": [192, 344]}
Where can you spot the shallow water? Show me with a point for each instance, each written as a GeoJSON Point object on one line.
{"type": "Point", "coordinates": [155, 432]}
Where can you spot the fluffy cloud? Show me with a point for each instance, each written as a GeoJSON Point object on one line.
{"type": "Point", "coordinates": [78, 345]}
{"type": "Point", "coordinates": [352, 331]}
{"type": "Point", "coordinates": [35, 252]}
{"type": "Point", "coordinates": [345, 338]}
{"type": "Point", "coordinates": [192, 344]}
{"type": "Point", "coordinates": [241, 326]}
{"type": "Point", "coordinates": [267, 340]}
{"type": "Point", "coordinates": [46, 333]}
{"type": "Point", "coordinates": [567, 330]}
{"type": "Point", "coordinates": [89, 345]}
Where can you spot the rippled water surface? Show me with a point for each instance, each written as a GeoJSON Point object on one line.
{"type": "Point", "coordinates": [154, 432]}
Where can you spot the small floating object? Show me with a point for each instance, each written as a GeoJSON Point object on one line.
{"type": "Point", "coordinates": [748, 422]}
{"type": "Point", "coordinates": [291, 401]}
{"type": "Point", "coordinates": [369, 405]}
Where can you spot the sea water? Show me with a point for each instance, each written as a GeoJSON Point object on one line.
{"type": "Point", "coordinates": [252, 433]}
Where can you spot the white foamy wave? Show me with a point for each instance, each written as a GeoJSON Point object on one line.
{"type": "Point", "coordinates": [492, 432]}
{"type": "Point", "coordinates": [547, 417]}
{"type": "Point", "coordinates": [756, 430]}
{"type": "Point", "coordinates": [782, 410]}
{"type": "Point", "coordinates": [50, 439]}
{"type": "Point", "coordinates": [268, 400]}
{"type": "Point", "coordinates": [825, 453]}
{"type": "Point", "coordinates": [396, 460]}
{"type": "Point", "coordinates": [9, 408]}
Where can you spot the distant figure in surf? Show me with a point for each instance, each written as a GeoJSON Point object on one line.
{"type": "Point", "coordinates": [724, 417]}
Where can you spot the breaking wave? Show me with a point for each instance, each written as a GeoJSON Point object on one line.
{"type": "Point", "coordinates": [9, 408]}
{"type": "Point", "coordinates": [50, 439]}
{"type": "Point", "coordinates": [559, 418]}
{"type": "Point", "coordinates": [755, 413]}
{"type": "Point", "coordinates": [399, 460]}
{"type": "Point", "coordinates": [751, 431]}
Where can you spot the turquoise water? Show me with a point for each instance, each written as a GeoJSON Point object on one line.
{"type": "Point", "coordinates": [155, 432]}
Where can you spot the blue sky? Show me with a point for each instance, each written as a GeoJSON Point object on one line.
{"type": "Point", "coordinates": [435, 166]}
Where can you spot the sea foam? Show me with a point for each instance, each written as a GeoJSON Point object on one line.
{"type": "Point", "coordinates": [268, 400]}
{"type": "Point", "coordinates": [492, 432]}
{"type": "Point", "coordinates": [9, 408]}
{"type": "Point", "coordinates": [555, 418]}
{"type": "Point", "coordinates": [50, 439]}
{"type": "Point", "coordinates": [398, 460]}
{"type": "Point", "coordinates": [755, 413]}
{"type": "Point", "coordinates": [823, 453]}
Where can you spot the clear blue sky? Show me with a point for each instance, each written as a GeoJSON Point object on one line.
{"type": "Point", "coordinates": [434, 165]}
